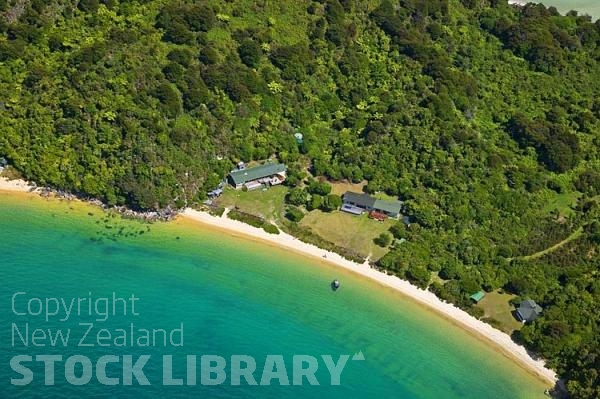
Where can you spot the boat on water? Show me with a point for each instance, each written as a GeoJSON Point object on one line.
{"type": "Point", "coordinates": [335, 284]}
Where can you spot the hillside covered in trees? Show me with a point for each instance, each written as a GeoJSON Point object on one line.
{"type": "Point", "coordinates": [478, 114]}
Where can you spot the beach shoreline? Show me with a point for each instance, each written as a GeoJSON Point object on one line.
{"type": "Point", "coordinates": [470, 324]}
{"type": "Point", "coordinates": [15, 185]}
{"type": "Point", "coordinates": [450, 312]}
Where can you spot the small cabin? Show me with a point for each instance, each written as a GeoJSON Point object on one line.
{"type": "Point", "coordinates": [269, 174]}
{"type": "Point", "coordinates": [478, 296]}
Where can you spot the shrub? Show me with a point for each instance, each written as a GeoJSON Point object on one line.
{"type": "Point", "coordinates": [294, 214]}
{"type": "Point", "coordinates": [331, 203]}
{"type": "Point", "coordinates": [418, 275]}
{"type": "Point", "coordinates": [383, 240]}
{"type": "Point", "coordinates": [270, 228]}
{"type": "Point", "coordinates": [297, 196]}
{"type": "Point", "coordinates": [316, 187]}
{"type": "Point", "coordinates": [315, 202]}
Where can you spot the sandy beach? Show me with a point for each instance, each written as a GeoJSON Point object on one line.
{"type": "Point", "coordinates": [15, 185]}
{"type": "Point", "coordinates": [496, 337]}
{"type": "Point", "coordinates": [449, 311]}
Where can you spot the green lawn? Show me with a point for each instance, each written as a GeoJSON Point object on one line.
{"type": "Point", "coordinates": [496, 306]}
{"type": "Point", "coordinates": [349, 231]}
{"type": "Point", "coordinates": [268, 204]}
{"type": "Point", "coordinates": [341, 187]}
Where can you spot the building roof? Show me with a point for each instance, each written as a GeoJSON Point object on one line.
{"type": "Point", "coordinates": [366, 201]}
{"type": "Point", "coordinates": [362, 199]}
{"type": "Point", "coordinates": [352, 209]}
{"type": "Point", "coordinates": [478, 296]}
{"type": "Point", "coordinates": [529, 310]}
{"type": "Point", "coordinates": [388, 206]}
{"type": "Point", "coordinates": [257, 172]}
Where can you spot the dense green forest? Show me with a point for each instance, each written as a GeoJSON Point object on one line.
{"type": "Point", "coordinates": [476, 113]}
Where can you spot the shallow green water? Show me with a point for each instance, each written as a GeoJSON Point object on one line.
{"type": "Point", "coordinates": [591, 7]}
{"type": "Point", "coordinates": [234, 297]}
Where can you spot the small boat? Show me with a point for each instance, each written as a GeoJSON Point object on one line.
{"type": "Point", "coordinates": [335, 284]}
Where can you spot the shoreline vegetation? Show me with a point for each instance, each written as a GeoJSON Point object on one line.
{"type": "Point", "coordinates": [470, 324]}
{"type": "Point", "coordinates": [19, 185]}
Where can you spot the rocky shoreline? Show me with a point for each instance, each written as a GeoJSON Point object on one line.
{"type": "Point", "coordinates": [161, 215]}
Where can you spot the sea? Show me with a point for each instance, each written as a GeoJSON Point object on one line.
{"type": "Point", "coordinates": [590, 7]}
{"type": "Point", "coordinates": [96, 306]}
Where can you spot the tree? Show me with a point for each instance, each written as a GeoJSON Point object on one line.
{"type": "Point", "coordinates": [452, 269]}
{"type": "Point", "coordinates": [250, 52]}
{"type": "Point", "coordinates": [178, 33]}
{"type": "Point", "coordinates": [398, 230]}
{"type": "Point", "coordinates": [418, 275]}
{"type": "Point", "coordinates": [383, 240]}
{"type": "Point", "coordinates": [169, 98]}
{"type": "Point", "coordinates": [294, 214]}
{"type": "Point", "coordinates": [589, 182]}
{"type": "Point", "coordinates": [297, 196]}
{"type": "Point", "coordinates": [593, 230]}
{"type": "Point", "coordinates": [88, 5]}
{"type": "Point", "coordinates": [181, 56]}
{"type": "Point", "coordinates": [315, 202]}
{"type": "Point", "coordinates": [331, 203]}
{"type": "Point", "coordinates": [319, 188]}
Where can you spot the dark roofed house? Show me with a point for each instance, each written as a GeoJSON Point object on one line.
{"type": "Point", "coordinates": [363, 201]}
{"type": "Point", "coordinates": [390, 208]}
{"type": "Point", "coordinates": [268, 174]}
{"type": "Point", "coordinates": [528, 311]}
{"type": "Point", "coordinates": [355, 202]}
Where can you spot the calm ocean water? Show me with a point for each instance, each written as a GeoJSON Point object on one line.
{"type": "Point", "coordinates": [591, 7]}
{"type": "Point", "coordinates": [233, 297]}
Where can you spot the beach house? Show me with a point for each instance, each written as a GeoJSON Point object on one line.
{"type": "Point", "coordinates": [357, 203]}
{"type": "Point", "coordinates": [268, 174]}
{"type": "Point", "coordinates": [528, 311]}
{"type": "Point", "coordinates": [478, 296]}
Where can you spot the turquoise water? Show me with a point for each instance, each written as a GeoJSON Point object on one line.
{"type": "Point", "coordinates": [233, 297]}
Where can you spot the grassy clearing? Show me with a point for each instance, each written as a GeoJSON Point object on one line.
{"type": "Point", "coordinates": [495, 306]}
{"type": "Point", "coordinates": [340, 188]}
{"type": "Point", "coordinates": [563, 203]}
{"type": "Point", "coordinates": [268, 204]}
{"type": "Point", "coordinates": [349, 231]}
